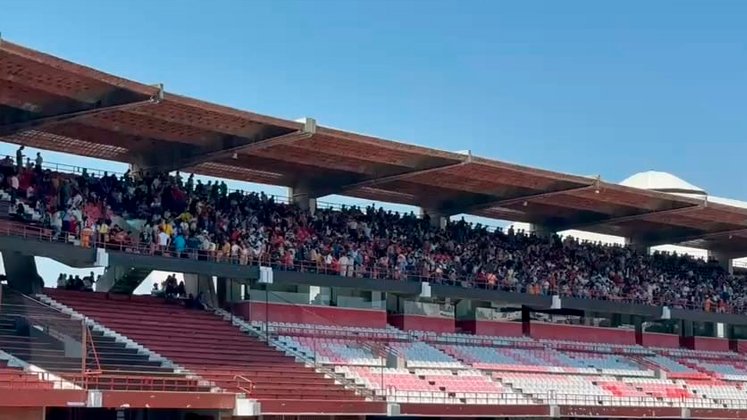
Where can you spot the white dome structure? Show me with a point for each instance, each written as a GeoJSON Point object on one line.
{"type": "Point", "coordinates": [663, 182]}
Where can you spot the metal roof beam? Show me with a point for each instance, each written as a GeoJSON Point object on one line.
{"type": "Point", "coordinates": [324, 190]}
{"type": "Point", "coordinates": [489, 201]}
{"type": "Point", "coordinates": [116, 100]}
{"type": "Point", "coordinates": [630, 218]}
{"type": "Point", "coordinates": [183, 156]}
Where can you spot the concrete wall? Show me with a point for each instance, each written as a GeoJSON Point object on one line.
{"type": "Point", "coordinates": [21, 272]}
{"type": "Point", "coordinates": [310, 314]}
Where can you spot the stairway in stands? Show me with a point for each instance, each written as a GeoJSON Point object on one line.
{"type": "Point", "coordinates": [34, 333]}
{"type": "Point", "coordinates": [207, 345]}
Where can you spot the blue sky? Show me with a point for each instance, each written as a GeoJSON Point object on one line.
{"type": "Point", "coordinates": [586, 87]}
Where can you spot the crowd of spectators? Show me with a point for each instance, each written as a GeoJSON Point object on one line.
{"type": "Point", "coordinates": [170, 288]}
{"type": "Point", "coordinates": [183, 217]}
{"type": "Point", "coordinates": [76, 282]}
{"type": "Point", "coordinates": [176, 292]}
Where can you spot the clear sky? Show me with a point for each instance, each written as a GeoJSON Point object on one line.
{"type": "Point", "coordinates": [587, 87]}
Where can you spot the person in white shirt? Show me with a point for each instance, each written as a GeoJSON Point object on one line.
{"type": "Point", "coordinates": [235, 250]}
{"type": "Point", "coordinates": [77, 200]}
{"type": "Point", "coordinates": [344, 265]}
{"type": "Point", "coordinates": [14, 186]}
{"type": "Point", "coordinates": [163, 241]}
{"type": "Point", "coordinates": [56, 222]}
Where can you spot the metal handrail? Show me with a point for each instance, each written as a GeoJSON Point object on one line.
{"type": "Point", "coordinates": [45, 234]}
{"type": "Point", "coordinates": [242, 379]}
{"type": "Point", "coordinates": [518, 397]}
{"type": "Point", "coordinates": [131, 382]}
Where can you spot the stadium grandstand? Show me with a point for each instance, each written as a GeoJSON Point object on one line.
{"type": "Point", "coordinates": [288, 309]}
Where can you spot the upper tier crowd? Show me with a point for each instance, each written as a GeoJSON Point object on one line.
{"type": "Point", "coordinates": [183, 217]}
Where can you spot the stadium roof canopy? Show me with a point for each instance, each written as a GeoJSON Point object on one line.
{"type": "Point", "coordinates": [53, 104]}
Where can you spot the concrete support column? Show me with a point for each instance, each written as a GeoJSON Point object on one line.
{"type": "Point", "coordinates": [526, 321]}
{"type": "Point", "coordinates": [111, 275]}
{"type": "Point", "coordinates": [720, 330]}
{"type": "Point", "coordinates": [301, 197]}
{"type": "Point", "coordinates": [196, 283]}
{"type": "Point", "coordinates": [139, 168]}
{"type": "Point", "coordinates": [726, 261]}
{"type": "Point", "coordinates": [541, 230]}
{"type": "Point", "coordinates": [638, 245]}
{"type": "Point", "coordinates": [616, 321]}
{"type": "Point", "coordinates": [136, 169]}
{"type": "Point", "coordinates": [377, 299]}
{"type": "Point", "coordinates": [638, 323]}
{"type": "Point", "coordinates": [21, 273]}
{"type": "Point", "coordinates": [228, 291]}
{"type": "Point", "coordinates": [466, 309]}
{"type": "Point", "coordinates": [316, 294]}
{"type": "Point", "coordinates": [437, 219]}
{"type": "Point", "coordinates": [687, 328]}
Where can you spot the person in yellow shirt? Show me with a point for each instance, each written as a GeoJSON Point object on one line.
{"type": "Point", "coordinates": [103, 233]}
{"type": "Point", "coordinates": [85, 235]}
{"type": "Point", "coordinates": [186, 216]}
{"type": "Point", "coordinates": [167, 228]}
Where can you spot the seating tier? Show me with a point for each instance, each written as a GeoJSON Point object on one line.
{"type": "Point", "coordinates": [207, 345]}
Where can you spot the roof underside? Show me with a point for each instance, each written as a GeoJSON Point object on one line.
{"type": "Point", "coordinates": [52, 104]}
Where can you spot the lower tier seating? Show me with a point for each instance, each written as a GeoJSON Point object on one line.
{"type": "Point", "coordinates": [45, 337]}
{"type": "Point", "coordinates": [457, 368]}
{"type": "Point", "coordinates": [14, 378]}
{"type": "Point", "coordinates": [417, 368]}
{"type": "Point", "coordinates": [206, 345]}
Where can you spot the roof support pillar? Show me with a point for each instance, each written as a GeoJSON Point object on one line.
{"type": "Point", "coordinates": [437, 219]}
{"type": "Point", "coordinates": [315, 295]}
{"type": "Point", "coordinates": [726, 261]}
{"type": "Point", "coordinates": [543, 231]}
{"type": "Point", "coordinates": [195, 284]}
{"type": "Point", "coordinates": [303, 198]}
{"type": "Point", "coordinates": [687, 332]}
{"type": "Point", "coordinates": [638, 245]}
{"type": "Point", "coordinates": [228, 291]}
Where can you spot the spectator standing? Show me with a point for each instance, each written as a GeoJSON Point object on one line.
{"type": "Point", "coordinates": [164, 240]}
{"type": "Point", "coordinates": [15, 185]}
{"type": "Point", "coordinates": [62, 281]}
{"type": "Point", "coordinates": [180, 245]}
{"type": "Point", "coordinates": [88, 282]}
{"type": "Point", "coordinates": [19, 158]}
